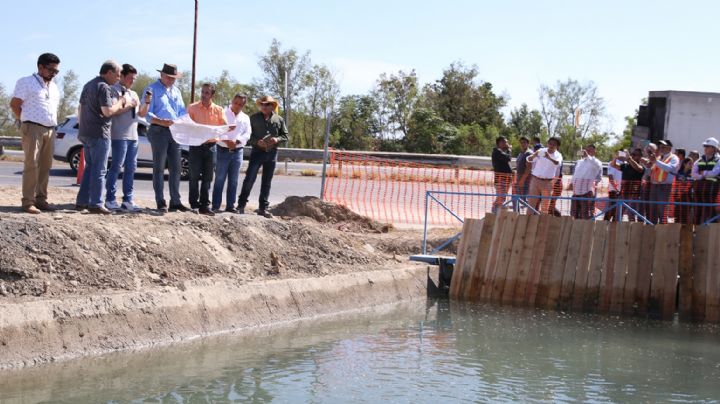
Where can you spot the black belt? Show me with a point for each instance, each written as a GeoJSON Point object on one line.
{"type": "Point", "coordinates": [543, 179]}
{"type": "Point", "coordinates": [37, 124]}
{"type": "Point", "coordinates": [159, 126]}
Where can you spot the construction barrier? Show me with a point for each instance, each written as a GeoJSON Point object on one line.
{"type": "Point", "coordinates": [592, 266]}
{"type": "Point", "coordinates": [393, 191]}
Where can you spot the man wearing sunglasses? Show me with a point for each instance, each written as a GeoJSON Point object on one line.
{"type": "Point", "coordinates": [35, 104]}
{"type": "Point", "coordinates": [267, 132]}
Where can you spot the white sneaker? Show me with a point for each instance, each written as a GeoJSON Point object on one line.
{"type": "Point", "coordinates": [112, 205]}
{"type": "Point", "coordinates": [131, 207]}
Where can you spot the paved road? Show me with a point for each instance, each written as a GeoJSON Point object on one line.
{"type": "Point", "coordinates": [61, 176]}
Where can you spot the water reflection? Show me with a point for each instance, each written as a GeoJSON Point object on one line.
{"type": "Point", "coordinates": [431, 351]}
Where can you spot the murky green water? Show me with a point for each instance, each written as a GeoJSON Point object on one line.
{"type": "Point", "coordinates": [415, 352]}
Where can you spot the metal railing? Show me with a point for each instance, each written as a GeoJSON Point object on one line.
{"type": "Point", "coordinates": [517, 202]}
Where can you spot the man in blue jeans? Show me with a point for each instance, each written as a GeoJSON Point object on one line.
{"type": "Point", "coordinates": [268, 130]}
{"type": "Point", "coordinates": [124, 142]}
{"type": "Point", "coordinates": [165, 105]}
{"type": "Point", "coordinates": [230, 154]}
{"type": "Point", "coordinates": [96, 109]}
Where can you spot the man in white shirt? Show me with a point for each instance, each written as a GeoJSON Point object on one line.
{"type": "Point", "coordinates": [230, 154]}
{"type": "Point", "coordinates": [588, 173]}
{"type": "Point", "coordinates": [546, 163]}
{"type": "Point", "coordinates": [35, 104]}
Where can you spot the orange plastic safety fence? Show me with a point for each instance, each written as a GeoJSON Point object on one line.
{"type": "Point", "coordinates": [395, 192]}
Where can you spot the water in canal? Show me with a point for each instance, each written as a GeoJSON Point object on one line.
{"type": "Point", "coordinates": [416, 352]}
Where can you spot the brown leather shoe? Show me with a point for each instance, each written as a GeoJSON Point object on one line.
{"type": "Point", "coordinates": [31, 209]}
{"type": "Point", "coordinates": [99, 211]}
{"type": "Point", "coordinates": [45, 207]}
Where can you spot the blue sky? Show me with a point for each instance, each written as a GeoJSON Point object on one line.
{"type": "Point", "coordinates": [626, 47]}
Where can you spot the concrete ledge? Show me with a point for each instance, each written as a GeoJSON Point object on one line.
{"type": "Point", "coordinates": [42, 331]}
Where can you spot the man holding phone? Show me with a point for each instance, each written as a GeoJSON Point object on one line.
{"type": "Point", "coordinates": [267, 132]}
{"type": "Point", "coordinates": [546, 165]}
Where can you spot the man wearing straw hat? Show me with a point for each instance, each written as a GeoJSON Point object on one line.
{"type": "Point", "coordinates": [267, 132]}
{"type": "Point", "coordinates": [165, 105]}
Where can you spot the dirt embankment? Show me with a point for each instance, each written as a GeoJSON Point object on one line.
{"type": "Point", "coordinates": [67, 275]}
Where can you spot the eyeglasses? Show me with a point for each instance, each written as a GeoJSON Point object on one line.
{"type": "Point", "coordinates": [51, 70]}
{"type": "Point", "coordinates": [266, 104]}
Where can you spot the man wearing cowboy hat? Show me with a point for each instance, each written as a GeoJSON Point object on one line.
{"type": "Point", "coordinates": [706, 174]}
{"type": "Point", "coordinates": [165, 105]}
{"type": "Point", "coordinates": [664, 165]}
{"type": "Point", "coordinates": [267, 131]}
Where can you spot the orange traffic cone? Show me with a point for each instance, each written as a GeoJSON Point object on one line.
{"type": "Point", "coordinates": [81, 167]}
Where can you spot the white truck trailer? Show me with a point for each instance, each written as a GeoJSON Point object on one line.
{"type": "Point", "coordinates": [686, 118]}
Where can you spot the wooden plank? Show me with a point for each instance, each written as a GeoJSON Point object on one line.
{"type": "Point", "coordinates": [644, 270]}
{"type": "Point", "coordinates": [526, 260]}
{"type": "Point", "coordinates": [558, 266]}
{"type": "Point", "coordinates": [468, 249]}
{"type": "Point", "coordinates": [564, 299]}
{"type": "Point", "coordinates": [541, 238]}
{"type": "Point", "coordinates": [686, 273]}
{"type": "Point", "coordinates": [633, 262]}
{"type": "Point", "coordinates": [664, 275]}
{"type": "Point", "coordinates": [712, 288]}
{"type": "Point", "coordinates": [489, 276]}
{"type": "Point", "coordinates": [670, 276]}
{"type": "Point", "coordinates": [702, 252]}
{"type": "Point", "coordinates": [506, 250]}
{"type": "Point", "coordinates": [583, 266]}
{"type": "Point", "coordinates": [622, 243]}
{"type": "Point", "coordinates": [471, 289]}
{"type": "Point", "coordinates": [547, 259]}
{"type": "Point", "coordinates": [591, 299]}
{"type": "Point", "coordinates": [606, 280]}
{"type": "Point", "coordinates": [513, 268]}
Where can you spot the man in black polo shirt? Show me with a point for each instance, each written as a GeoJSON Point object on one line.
{"type": "Point", "coordinates": [632, 174]}
{"type": "Point", "coordinates": [268, 131]}
{"type": "Point", "coordinates": [501, 157]}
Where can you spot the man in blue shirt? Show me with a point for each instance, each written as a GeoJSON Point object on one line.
{"type": "Point", "coordinates": [164, 106]}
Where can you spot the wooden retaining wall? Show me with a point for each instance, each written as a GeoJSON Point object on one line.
{"type": "Point", "coordinates": [592, 266]}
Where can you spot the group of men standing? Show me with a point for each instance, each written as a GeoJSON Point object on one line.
{"type": "Point", "coordinates": [651, 174]}
{"type": "Point", "coordinates": [108, 127]}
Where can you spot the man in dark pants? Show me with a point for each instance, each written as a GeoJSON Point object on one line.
{"type": "Point", "coordinates": [501, 157]}
{"type": "Point", "coordinates": [203, 157]}
{"type": "Point", "coordinates": [268, 131]}
{"type": "Point", "coordinates": [165, 105]}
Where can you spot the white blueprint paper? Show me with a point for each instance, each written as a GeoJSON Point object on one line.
{"type": "Point", "coordinates": [187, 132]}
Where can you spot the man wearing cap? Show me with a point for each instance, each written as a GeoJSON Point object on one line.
{"type": "Point", "coordinates": [546, 166]}
{"type": "Point", "coordinates": [165, 105]}
{"type": "Point", "coordinates": [230, 154]}
{"type": "Point", "coordinates": [35, 103]}
{"type": "Point", "coordinates": [706, 173]}
{"type": "Point", "coordinates": [663, 166]}
{"type": "Point", "coordinates": [97, 106]}
{"type": "Point", "coordinates": [588, 173]}
{"type": "Point", "coordinates": [268, 130]}
{"type": "Point", "coordinates": [202, 158]}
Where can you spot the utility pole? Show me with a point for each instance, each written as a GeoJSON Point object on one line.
{"type": "Point", "coordinates": [192, 84]}
{"type": "Point", "coordinates": [286, 97]}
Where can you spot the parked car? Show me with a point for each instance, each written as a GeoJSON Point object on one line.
{"type": "Point", "coordinates": [67, 147]}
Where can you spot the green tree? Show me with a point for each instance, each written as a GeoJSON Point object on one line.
{"type": "Point", "coordinates": [275, 63]}
{"type": "Point", "coordinates": [354, 124]}
{"type": "Point", "coordinates": [559, 106]}
{"type": "Point", "coordinates": [459, 98]}
{"type": "Point", "coordinates": [428, 132]}
{"type": "Point", "coordinates": [7, 119]}
{"type": "Point", "coordinates": [525, 122]}
{"type": "Point", "coordinates": [68, 102]}
{"type": "Point", "coordinates": [316, 102]}
{"type": "Point", "coordinates": [473, 140]}
{"type": "Point", "coordinates": [227, 86]}
{"type": "Point", "coordinates": [397, 96]}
